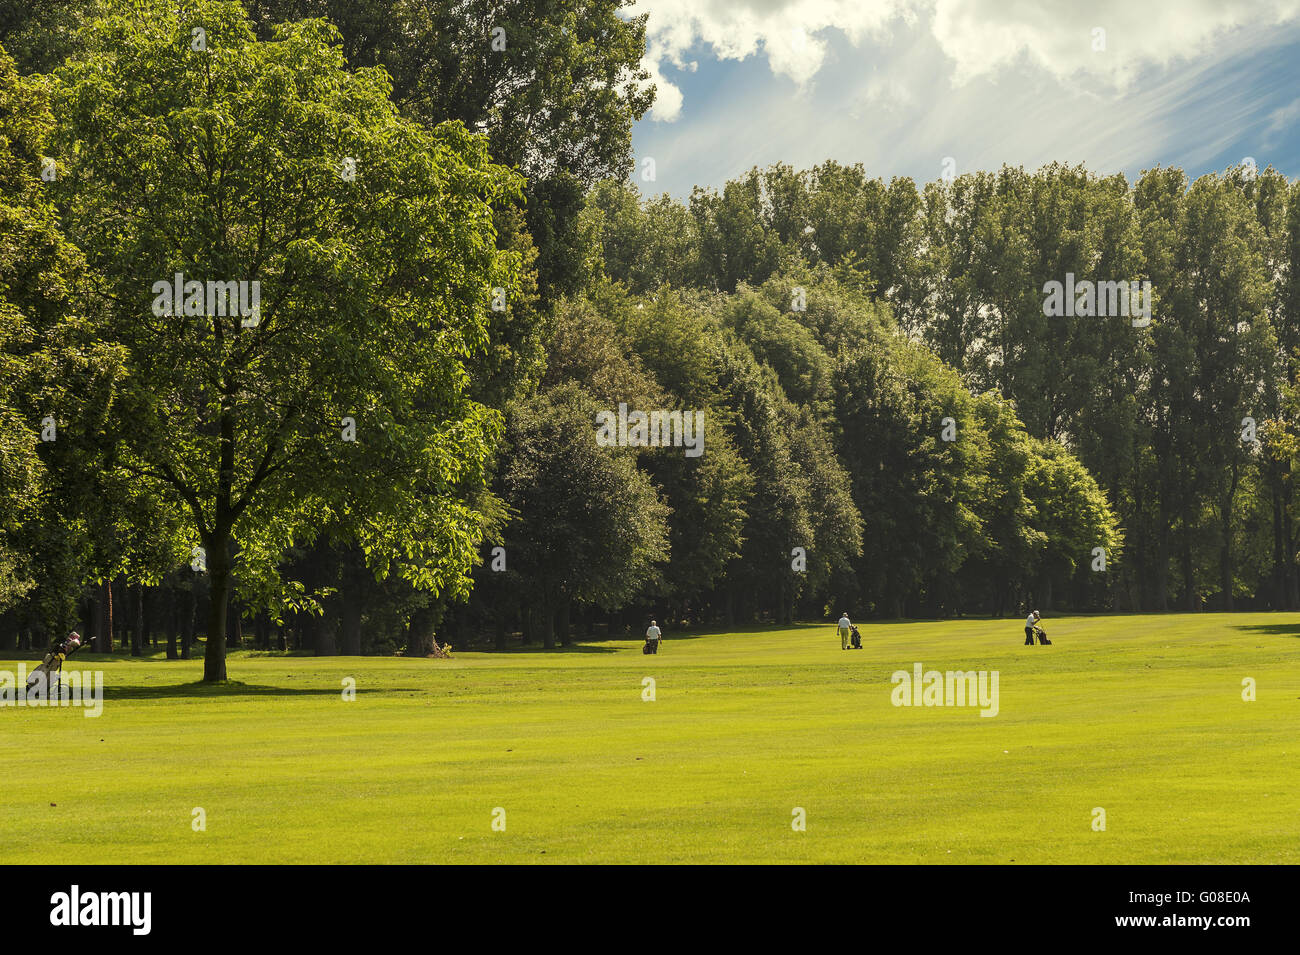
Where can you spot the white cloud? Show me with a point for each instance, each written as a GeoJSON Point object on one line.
{"type": "Point", "coordinates": [1284, 117]}
{"type": "Point", "coordinates": [980, 36]}
{"type": "Point", "coordinates": [893, 100]}
{"type": "Point", "coordinates": [976, 37]}
{"type": "Point", "coordinates": [668, 96]}
{"type": "Point", "coordinates": [785, 31]}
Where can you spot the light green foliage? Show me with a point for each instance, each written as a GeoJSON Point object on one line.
{"type": "Point", "coordinates": [374, 292]}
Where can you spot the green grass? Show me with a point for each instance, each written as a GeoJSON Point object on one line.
{"type": "Point", "coordinates": [1142, 716]}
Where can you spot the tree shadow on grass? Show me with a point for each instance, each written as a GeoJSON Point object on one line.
{"type": "Point", "coordinates": [1275, 629]}
{"type": "Point", "coordinates": [751, 629]}
{"type": "Point", "coordinates": [515, 650]}
{"type": "Point", "coordinates": [199, 690]}
{"type": "Point", "coordinates": [33, 657]}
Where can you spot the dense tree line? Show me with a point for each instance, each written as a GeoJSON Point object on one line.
{"type": "Point", "coordinates": [400, 441]}
{"type": "Point", "coordinates": [1184, 420]}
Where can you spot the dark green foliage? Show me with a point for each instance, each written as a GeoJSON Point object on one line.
{"type": "Point", "coordinates": [892, 422]}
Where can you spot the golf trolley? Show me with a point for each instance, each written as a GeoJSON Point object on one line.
{"type": "Point", "coordinates": [47, 673]}
{"type": "Point", "coordinates": [1041, 634]}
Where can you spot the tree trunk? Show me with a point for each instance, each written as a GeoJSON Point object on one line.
{"type": "Point", "coordinates": [234, 623]}
{"type": "Point", "coordinates": [1227, 570]}
{"type": "Point", "coordinates": [449, 628]}
{"type": "Point", "coordinates": [122, 625]}
{"type": "Point", "coordinates": [1291, 573]}
{"type": "Point", "coordinates": [326, 642]}
{"type": "Point", "coordinates": [499, 637]}
{"type": "Point", "coordinates": [419, 633]}
{"type": "Point", "coordinates": [104, 633]}
{"type": "Point", "coordinates": [173, 626]}
{"type": "Point", "coordinates": [1161, 573]}
{"type": "Point", "coordinates": [563, 620]}
{"type": "Point", "coordinates": [547, 622]}
{"type": "Point", "coordinates": [189, 610]}
{"type": "Point", "coordinates": [137, 631]}
{"type": "Point", "coordinates": [1226, 577]}
{"type": "Point", "coordinates": [89, 613]}
{"type": "Point", "coordinates": [214, 655]}
{"type": "Point", "coordinates": [352, 628]}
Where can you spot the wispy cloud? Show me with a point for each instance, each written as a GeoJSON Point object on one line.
{"type": "Point", "coordinates": [899, 85]}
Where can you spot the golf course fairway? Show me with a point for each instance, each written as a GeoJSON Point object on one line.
{"type": "Point", "coordinates": [769, 745]}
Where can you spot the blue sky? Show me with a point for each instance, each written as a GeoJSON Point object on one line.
{"type": "Point", "coordinates": [902, 85]}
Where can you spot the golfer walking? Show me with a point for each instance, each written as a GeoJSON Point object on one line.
{"type": "Point", "coordinates": [844, 626]}
{"type": "Point", "coordinates": [652, 636]}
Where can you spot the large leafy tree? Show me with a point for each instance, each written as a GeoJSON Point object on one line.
{"type": "Point", "coordinates": [683, 346]}
{"type": "Point", "coordinates": [34, 260]}
{"type": "Point", "coordinates": [736, 243]}
{"type": "Point", "coordinates": [642, 245]}
{"type": "Point", "coordinates": [1212, 344]}
{"type": "Point", "coordinates": [554, 84]}
{"type": "Point", "coordinates": [54, 376]}
{"type": "Point", "coordinates": [1074, 517]}
{"type": "Point", "coordinates": [194, 148]}
{"type": "Point", "coordinates": [38, 35]}
{"type": "Point", "coordinates": [590, 527]}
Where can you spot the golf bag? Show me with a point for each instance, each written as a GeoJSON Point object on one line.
{"type": "Point", "coordinates": [46, 673]}
{"type": "Point", "coordinates": [855, 638]}
{"type": "Point", "coordinates": [651, 646]}
{"type": "Point", "coordinates": [1042, 637]}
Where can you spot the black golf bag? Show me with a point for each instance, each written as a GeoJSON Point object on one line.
{"type": "Point", "coordinates": [855, 638]}
{"type": "Point", "coordinates": [651, 646]}
{"type": "Point", "coordinates": [1042, 636]}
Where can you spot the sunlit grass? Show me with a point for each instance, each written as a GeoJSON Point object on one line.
{"type": "Point", "coordinates": [1140, 716]}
